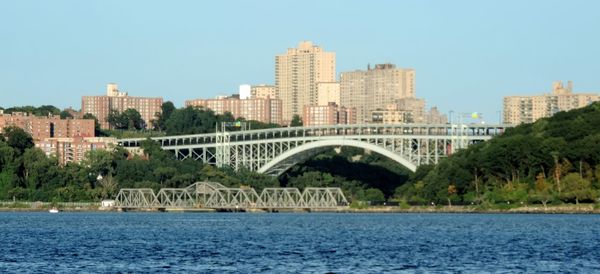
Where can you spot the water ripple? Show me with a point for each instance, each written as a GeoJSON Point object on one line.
{"type": "Point", "coordinates": [291, 243]}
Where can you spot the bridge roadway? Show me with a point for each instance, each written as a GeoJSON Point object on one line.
{"type": "Point", "coordinates": [275, 150]}
{"type": "Point", "coordinates": [216, 196]}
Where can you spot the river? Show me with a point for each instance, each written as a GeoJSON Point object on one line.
{"type": "Point", "coordinates": [297, 242]}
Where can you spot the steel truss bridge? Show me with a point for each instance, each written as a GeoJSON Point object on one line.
{"type": "Point", "coordinates": [273, 151]}
{"type": "Point", "coordinates": [216, 196]}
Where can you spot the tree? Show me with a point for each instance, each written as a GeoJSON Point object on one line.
{"type": "Point", "coordinates": [129, 119]}
{"type": "Point", "coordinates": [99, 162]}
{"type": "Point", "coordinates": [451, 193]}
{"type": "Point", "coordinates": [65, 114]}
{"type": "Point", "coordinates": [134, 119]}
{"type": "Point", "coordinates": [191, 120]}
{"type": "Point", "coordinates": [154, 150]}
{"type": "Point", "coordinates": [38, 169]}
{"type": "Point", "coordinates": [116, 120]}
{"type": "Point", "coordinates": [108, 186]}
{"type": "Point", "coordinates": [18, 139]}
{"type": "Point", "coordinates": [374, 195]}
{"type": "Point", "coordinates": [577, 188]}
{"type": "Point", "coordinates": [296, 121]}
{"type": "Point", "coordinates": [164, 173]}
{"type": "Point", "coordinates": [542, 191]}
{"type": "Point", "coordinates": [43, 110]}
{"type": "Point", "coordinates": [160, 122]}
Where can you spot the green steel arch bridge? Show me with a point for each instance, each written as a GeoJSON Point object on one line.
{"type": "Point", "coordinates": [273, 151]}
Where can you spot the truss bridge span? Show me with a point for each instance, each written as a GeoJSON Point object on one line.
{"type": "Point", "coordinates": [216, 196]}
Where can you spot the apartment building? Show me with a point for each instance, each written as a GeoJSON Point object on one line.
{"type": "Point", "coordinates": [528, 109]}
{"type": "Point", "coordinates": [264, 110]}
{"type": "Point", "coordinates": [101, 106]}
{"type": "Point", "coordinates": [74, 150]}
{"type": "Point", "coordinates": [330, 114]}
{"type": "Point", "coordinates": [374, 88]}
{"type": "Point", "coordinates": [41, 127]}
{"type": "Point", "coordinates": [297, 73]}
{"type": "Point", "coordinates": [263, 91]}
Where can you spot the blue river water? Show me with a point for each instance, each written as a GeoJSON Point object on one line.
{"type": "Point", "coordinates": [297, 242]}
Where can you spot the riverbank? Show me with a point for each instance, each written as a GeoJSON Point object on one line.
{"type": "Point", "coordinates": [526, 209]}
{"type": "Point", "coordinates": [45, 206]}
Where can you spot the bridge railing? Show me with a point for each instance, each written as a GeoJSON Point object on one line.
{"type": "Point", "coordinates": [327, 130]}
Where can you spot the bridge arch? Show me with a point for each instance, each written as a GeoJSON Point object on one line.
{"type": "Point", "coordinates": [316, 145]}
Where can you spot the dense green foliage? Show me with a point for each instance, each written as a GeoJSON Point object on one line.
{"type": "Point", "coordinates": [27, 174]}
{"type": "Point", "coordinates": [194, 120]}
{"type": "Point", "coordinates": [555, 160]}
{"type": "Point", "coordinates": [65, 114]}
{"type": "Point", "coordinates": [37, 111]}
{"type": "Point", "coordinates": [129, 119]}
{"type": "Point", "coordinates": [167, 109]}
{"type": "Point", "coordinates": [362, 176]}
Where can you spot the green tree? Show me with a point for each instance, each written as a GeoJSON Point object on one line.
{"type": "Point", "coordinates": [65, 114]}
{"type": "Point", "coordinates": [154, 150]}
{"type": "Point", "coordinates": [160, 122]}
{"type": "Point", "coordinates": [38, 169]}
{"type": "Point", "coordinates": [374, 195]}
{"type": "Point", "coordinates": [296, 121]}
{"type": "Point", "coordinates": [129, 119]}
{"type": "Point", "coordinates": [577, 188]}
{"type": "Point", "coordinates": [18, 139]}
{"type": "Point", "coordinates": [108, 186]}
{"type": "Point", "coordinates": [163, 173]}
{"type": "Point", "coordinates": [134, 119]}
{"type": "Point", "coordinates": [99, 162]}
{"type": "Point", "coordinates": [43, 110]}
{"type": "Point", "coordinates": [191, 120]}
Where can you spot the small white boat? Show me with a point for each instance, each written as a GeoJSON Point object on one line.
{"type": "Point", "coordinates": [53, 210]}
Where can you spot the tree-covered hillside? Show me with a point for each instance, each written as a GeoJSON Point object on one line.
{"type": "Point", "coordinates": [555, 159]}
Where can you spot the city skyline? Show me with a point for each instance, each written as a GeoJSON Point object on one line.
{"type": "Point", "coordinates": [467, 56]}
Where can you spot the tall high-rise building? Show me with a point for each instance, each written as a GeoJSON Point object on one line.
{"type": "Point", "coordinates": [527, 109]}
{"type": "Point", "coordinates": [101, 106]}
{"type": "Point", "coordinates": [373, 89]}
{"type": "Point", "coordinates": [328, 93]}
{"type": "Point", "coordinates": [297, 73]}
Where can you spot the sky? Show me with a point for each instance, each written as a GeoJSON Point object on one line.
{"type": "Point", "coordinates": [467, 54]}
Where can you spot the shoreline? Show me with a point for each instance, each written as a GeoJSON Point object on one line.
{"type": "Point", "coordinates": [528, 209]}
{"type": "Point", "coordinates": [560, 209]}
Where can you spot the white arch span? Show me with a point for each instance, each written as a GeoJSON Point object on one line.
{"type": "Point", "coordinates": [336, 143]}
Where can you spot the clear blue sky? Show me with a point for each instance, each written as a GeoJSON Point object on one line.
{"type": "Point", "coordinates": [467, 54]}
